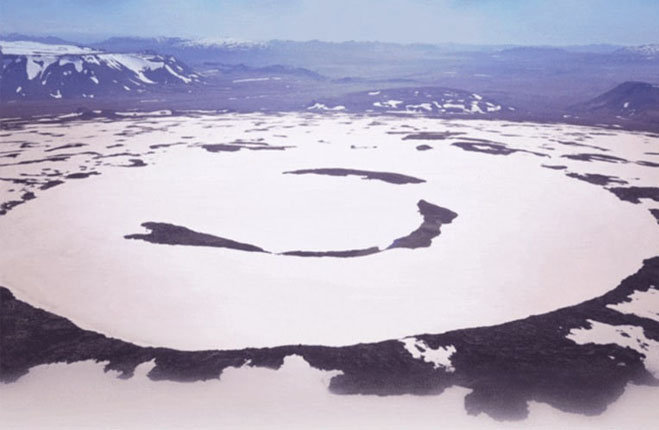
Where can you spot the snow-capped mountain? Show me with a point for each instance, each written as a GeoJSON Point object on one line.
{"type": "Point", "coordinates": [228, 43]}
{"type": "Point", "coordinates": [34, 70]}
{"type": "Point", "coordinates": [628, 99]}
{"type": "Point", "coordinates": [649, 52]}
{"type": "Point", "coordinates": [423, 100]}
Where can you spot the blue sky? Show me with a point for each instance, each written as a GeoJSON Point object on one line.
{"type": "Point", "coordinates": [526, 22]}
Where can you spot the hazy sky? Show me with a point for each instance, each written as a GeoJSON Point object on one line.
{"type": "Point", "coordinates": [555, 22]}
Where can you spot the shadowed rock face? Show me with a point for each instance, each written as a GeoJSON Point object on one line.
{"type": "Point", "coordinates": [392, 178]}
{"type": "Point", "coordinates": [505, 366]}
{"type": "Point", "coordinates": [634, 194]}
{"type": "Point", "coordinates": [170, 234]}
{"type": "Point", "coordinates": [433, 218]}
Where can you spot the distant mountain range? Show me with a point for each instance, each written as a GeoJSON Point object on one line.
{"type": "Point", "coordinates": [649, 52]}
{"type": "Point", "coordinates": [546, 83]}
{"type": "Point", "coordinates": [425, 100]}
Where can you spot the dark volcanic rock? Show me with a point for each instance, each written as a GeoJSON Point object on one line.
{"type": "Point", "coordinates": [647, 163]}
{"type": "Point", "coordinates": [67, 146]}
{"type": "Point", "coordinates": [136, 162]}
{"type": "Point", "coordinates": [392, 178]}
{"type": "Point", "coordinates": [220, 147]}
{"type": "Point", "coordinates": [81, 175]}
{"type": "Point", "coordinates": [634, 194]}
{"type": "Point", "coordinates": [432, 135]}
{"type": "Point", "coordinates": [492, 148]}
{"type": "Point", "coordinates": [554, 167]}
{"type": "Point", "coordinates": [655, 213]}
{"type": "Point", "coordinates": [9, 205]}
{"type": "Point", "coordinates": [597, 179]}
{"type": "Point", "coordinates": [170, 234]}
{"type": "Point", "coordinates": [51, 184]}
{"type": "Point", "coordinates": [423, 147]}
{"type": "Point", "coordinates": [344, 254]}
{"type": "Point", "coordinates": [505, 366]}
{"type": "Point", "coordinates": [237, 146]}
{"type": "Point", "coordinates": [433, 218]}
{"type": "Point", "coordinates": [595, 157]}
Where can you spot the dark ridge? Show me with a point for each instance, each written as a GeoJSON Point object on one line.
{"type": "Point", "coordinates": [42, 160]}
{"type": "Point", "coordinates": [234, 147]}
{"type": "Point", "coordinates": [597, 179]}
{"type": "Point", "coordinates": [68, 146]}
{"type": "Point", "coordinates": [340, 254]}
{"type": "Point", "coordinates": [392, 178]}
{"type": "Point", "coordinates": [118, 154]}
{"type": "Point", "coordinates": [432, 135]}
{"type": "Point", "coordinates": [7, 206]}
{"type": "Point", "coordinates": [505, 366]}
{"type": "Point", "coordinates": [647, 163]}
{"type": "Point", "coordinates": [165, 145]}
{"type": "Point", "coordinates": [423, 147]}
{"type": "Point", "coordinates": [554, 167]}
{"type": "Point", "coordinates": [51, 184]}
{"type": "Point", "coordinates": [433, 218]}
{"type": "Point", "coordinates": [81, 175]}
{"type": "Point", "coordinates": [170, 234]}
{"type": "Point", "coordinates": [221, 147]}
{"type": "Point", "coordinates": [492, 148]}
{"type": "Point", "coordinates": [655, 213]}
{"type": "Point", "coordinates": [135, 162]}
{"type": "Point", "coordinates": [564, 142]}
{"type": "Point", "coordinates": [634, 194]}
{"type": "Point", "coordinates": [595, 157]}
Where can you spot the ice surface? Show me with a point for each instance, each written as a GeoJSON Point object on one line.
{"type": "Point", "coordinates": [293, 397]}
{"type": "Point", "coordinates": [65, 251]}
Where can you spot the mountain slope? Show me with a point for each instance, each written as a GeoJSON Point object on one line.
{"type": "Point", "coordinates": [33, 70]}
{"type": "Point", "coordinates": [628, 99]}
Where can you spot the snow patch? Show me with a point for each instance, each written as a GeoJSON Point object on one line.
{"type": "Point", "coordinates": [626, 336]}
{"type": "Point", "coordinates": [440, 357]}
{"type": "Point", "coordinates": [388, 104]}
{"type": "Point", "coordinates": [644, 304]}
{"type": "Point", "coordinates": [23, 47]}
{"type": "Point", "coordinates": [320, 106]}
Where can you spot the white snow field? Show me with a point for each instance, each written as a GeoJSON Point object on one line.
{"type": "Point", "coordinates": [526, 240]}
{"type": "Point", "coordinates": [293, 397]}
